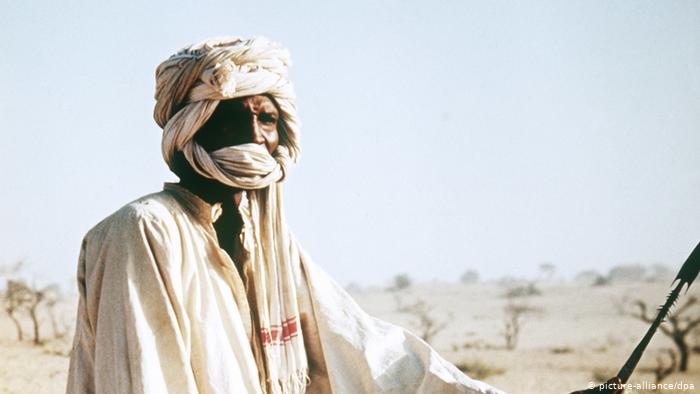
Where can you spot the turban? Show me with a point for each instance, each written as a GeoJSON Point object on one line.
{"type": "Point", "coordinates": [189, 86]}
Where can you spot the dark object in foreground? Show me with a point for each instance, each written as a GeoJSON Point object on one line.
{"type": "Point", "coordinates": [686, 276]}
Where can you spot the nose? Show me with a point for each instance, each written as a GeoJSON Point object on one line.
{"type": "Point", "coordinates": [256, 135]}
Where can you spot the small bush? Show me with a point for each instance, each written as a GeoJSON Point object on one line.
{"type": "Point", "coordinates": [469, 277]}
{"type": "Point", "coordinates": [561, 350]}
{"type": "Point", "coordinates": [425, 323]}
{"type": "Point", "coordinates": [515, 316]}
{"type": "Point", "coordinates": [478, 370]}
{"type": "Point", "coordinates": [400, 282]}
{"type": "Point", "coordinates": [601, 281]}
{"type": "Point", "coordinates": [526, 290]}
{"type": "Point", "coordinates": [627, 273]}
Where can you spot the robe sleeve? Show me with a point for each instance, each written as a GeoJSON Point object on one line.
{"type": "Point", "coordinates": [130, 329]}
{"type": "Point", "coordinates": [363, 354]}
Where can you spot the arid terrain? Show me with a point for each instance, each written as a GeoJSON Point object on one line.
{"type": "Point", "coordinates": [570, 335]}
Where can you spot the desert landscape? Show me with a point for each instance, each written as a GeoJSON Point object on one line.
{"type": "Point", "coordinates": [542, 335]}
{"type": "Point", "coordinates": [515, 182]}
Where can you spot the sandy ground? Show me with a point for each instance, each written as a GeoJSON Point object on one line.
{"type": "Point", "coordinates": [576, 337]}
{"type": "Point", "coordinates": [29, 368]}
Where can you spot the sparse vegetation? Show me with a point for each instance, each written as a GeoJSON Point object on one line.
{"type": "Point", "coordinates": [17, 298]}
{"type": "Point", "coordinates": [21, 300]}
{"type": "Point", "coordinates": [587, 277]}
{"type": "Point", "coordinates": [561, 350]}
{"type": "Point", "coordinates": [469, 277]}
{"type": "Point", "coordinates": [515, 316]}
{"type": "Point", "coordinates": [677, 326]}
{"type": "Point", "coordinates": [601, 281]}
{"type": "Point", "coordinates": [663, 369]}
{"type": "Point", "coordinates": [627, 273]}
{"type": "Point", "coordinates": [426, 325]}
{"type": "Point", "coordinates": [523, 290]}
{"type": "Point", "coordinates": [37, 296]}
{"type": "Point", "coordinates": [478, 370]}
{"type": "Point", "coordinates": [476, 339]}
{"type": "Point", "coordinates": [400, 282]}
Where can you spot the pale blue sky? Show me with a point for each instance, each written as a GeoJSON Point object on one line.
{"type": "Point", "coordinates": [438, 136]}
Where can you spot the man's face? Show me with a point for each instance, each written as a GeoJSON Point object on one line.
{"type": "Point", "coordinates": [251, 119]}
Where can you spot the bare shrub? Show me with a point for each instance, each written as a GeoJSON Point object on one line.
{"type": "Point", "coordinates": [515, 316]}
{"type": "Point", "coordinates": [17, 298]}
{"type": "Point", "coordinates": [426, 325]}
{"type": "Point", "coordinates": [663, 368]}
{"type": "Point", "coordinates": [21, 299]}
{"type": "Point", "coordinates": [677, 326]}
{"type": "Point", "coordinates": [37, 296]}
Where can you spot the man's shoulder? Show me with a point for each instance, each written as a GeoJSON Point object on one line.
{"type": "Point", "coordinates": [155, 209]}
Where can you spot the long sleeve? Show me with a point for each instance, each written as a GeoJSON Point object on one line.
{"type": "Point", "coordinates": [129, 332]}
{"type": "Point", "coordinates": [363, 354]}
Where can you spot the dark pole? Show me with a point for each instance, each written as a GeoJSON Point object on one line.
{"type": "Point", "coordinates": [686, 276]}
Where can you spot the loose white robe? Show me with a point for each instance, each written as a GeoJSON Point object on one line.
{"type": "Point", "coordinates": [158, 313]}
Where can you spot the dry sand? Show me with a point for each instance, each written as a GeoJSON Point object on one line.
{"type": "Point", "coordinates": [577, 335]}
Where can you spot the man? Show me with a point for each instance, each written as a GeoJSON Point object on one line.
{"type": "Point", "coordinates": [201, 288]}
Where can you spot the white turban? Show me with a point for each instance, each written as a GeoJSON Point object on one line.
{"type": "Point", "coordinates": [189, 86]}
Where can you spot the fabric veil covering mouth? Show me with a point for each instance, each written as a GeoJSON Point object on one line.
{"type": "Point", "coordinates": [189, 86]}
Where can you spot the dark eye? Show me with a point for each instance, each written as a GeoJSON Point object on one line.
{"type": "Point", "coordinates": [267, 118]}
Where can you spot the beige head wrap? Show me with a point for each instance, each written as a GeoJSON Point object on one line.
{"type": "Point", "coordinates": [189, 85]}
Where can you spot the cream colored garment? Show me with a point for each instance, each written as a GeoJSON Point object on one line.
{"type": "Point", "coordinates": [162, 309]}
